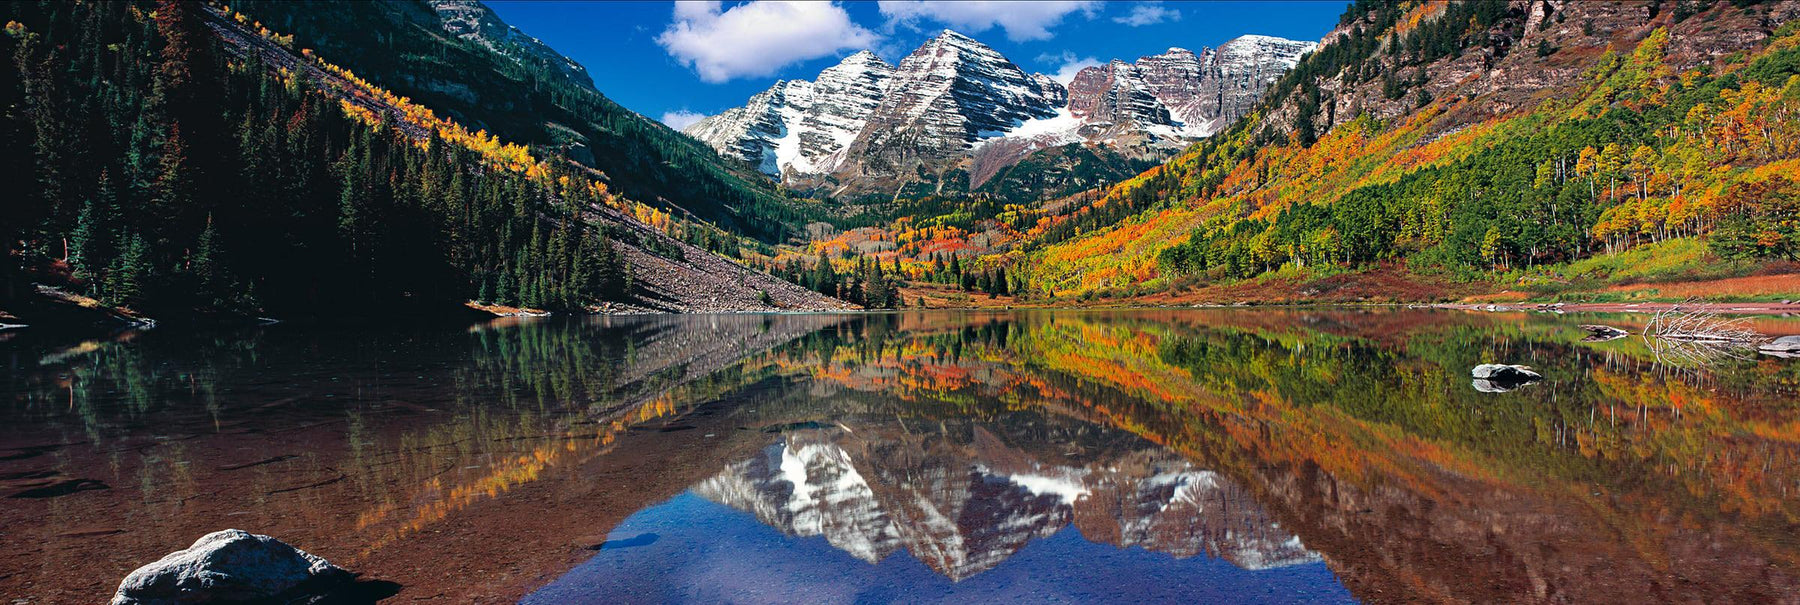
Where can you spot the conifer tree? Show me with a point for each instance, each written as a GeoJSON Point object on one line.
{"type": "Point", "coordinates": [90, 242]}
{"type": "Point", "coordinates": [129, 272]}
{"type": "Point", "coordinates": [215, 287]}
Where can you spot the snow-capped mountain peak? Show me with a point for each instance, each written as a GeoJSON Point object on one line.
{"type": "Point", "coordinates": [865, 121]}
{"type": "Point", "coordinates": [800, 126]}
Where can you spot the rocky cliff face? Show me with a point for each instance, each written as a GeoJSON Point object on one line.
{"type": "Point", "coordinates": [1151, 107]}
{"type": "Point", "coordinates": [957, 104]}
{"type": "Point", "coordinates": [1236, 74]}
{"type": "Point", "coordinates": [1503, 68]}
{"type": "Point", "coordinates": [1180, 94]}
{"type": "Point", "coordinates": [1114, 95]}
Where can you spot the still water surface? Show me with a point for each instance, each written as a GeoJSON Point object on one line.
{"type": "Point", "coordinates": [1266, 456]}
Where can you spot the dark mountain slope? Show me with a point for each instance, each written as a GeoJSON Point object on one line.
{"type": "Point", "coordinates": [1061, 171]}
{"type": "Point", "coordinates": [179, 159]}
{"type": "Point", "coordinates": [526, 93]}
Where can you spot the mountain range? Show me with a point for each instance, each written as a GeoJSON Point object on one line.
{"type": "Point", "coordinates": [285, 158]}
{"type": "Point", "coordinates": [957, 104]}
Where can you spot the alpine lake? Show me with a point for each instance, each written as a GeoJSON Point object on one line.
{"type": "Point", "coordinates": [1210, 455]}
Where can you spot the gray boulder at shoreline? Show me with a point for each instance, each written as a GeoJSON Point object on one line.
{"type": "Point", "coordinates": [232, 566]}
{"type": "Point", "coordinates": [1786, 346]}
{"type": "Point", "coordinates": [1500, 378]}
{"type": "Point", "coordinates": [1500, 371]}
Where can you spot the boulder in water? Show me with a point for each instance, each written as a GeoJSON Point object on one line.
{"type": "Point", "coordinates": [1500, 378]}
{"type": "Point", "coordinates": [1786, 346]}
{"type": "Point", "coordinates": [1598, 333]}
{"type": "Point", "coordinates": [233, 566]}
{"type": "Point", "coordinates": [1500, 371]}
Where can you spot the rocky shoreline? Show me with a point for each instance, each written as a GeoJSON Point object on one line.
{"type": "Point", "coordinates": [1786, 307]}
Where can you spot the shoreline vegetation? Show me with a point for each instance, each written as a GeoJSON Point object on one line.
{"type": "Point", "coordinates": [49, 308]}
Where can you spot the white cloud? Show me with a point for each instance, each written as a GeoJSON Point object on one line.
{"type": "Point", "coordinates": [1148, 13]}
{"type": "Point", "coordinates": [1068, 65]}
{"type": "Point", "coordinates": [681, 118]}
{"type": "Point", "coordinates": [757, 38]}
{"type": "Point", "coordinates": [1021, 20]}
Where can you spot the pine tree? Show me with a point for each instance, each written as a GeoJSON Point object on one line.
{"type": "Point", "coordinates": [352, 192]}
{"type": "Point", "coordinates": [129, 272]}
{"type": "Point", "coordinates": [175, 77]}
{"type": "Point", "coordinates": [612, 276]}
{"type": "Point", "coordinates": [875, 287]}
{"type": "Point", "coordinates": [90, 242]}
{"type": "Point", "coordinates": [824, 279]}
{"type": "Point", "coordinates": [172, 194]}
{"type": "Point", "coordinates": [215, 287]}
{"type": "Point", "coordinates": [1306, 116]}
{"type": "Point", "coordinates": [504, 293]}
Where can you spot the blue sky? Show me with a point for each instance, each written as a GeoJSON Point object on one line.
{"type": "Point", "coordinates": [672, 60]}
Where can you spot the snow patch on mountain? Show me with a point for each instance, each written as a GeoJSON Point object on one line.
{"type": "Point", "coordinates": [1067, 486]}
{"type": "Point", "coordinates": [1060, 129]}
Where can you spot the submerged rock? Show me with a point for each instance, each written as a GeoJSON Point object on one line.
{"type": "Point", "coordinates": [233, 566]}
{"type": "Point", "coordinates": [1598, 333]}
{"type": "Point", "coordinates": [1500, 371]}
{"type": "Point", "coordinates": [1786, 346]}
{"type": "Point", "coordinates": [59, 488]}
{"type": "Point", "coordinates": [1500, 378]}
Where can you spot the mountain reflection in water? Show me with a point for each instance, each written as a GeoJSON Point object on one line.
{"type": "Point", "coordinates": [963, 509]}
{"type": "Point", "coordinates": [1240, 455]}
{"type": "Point", "coordinates": [961, 497]}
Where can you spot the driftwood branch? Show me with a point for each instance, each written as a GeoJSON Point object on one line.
{"type": "Point", "coordinates": [1676, 323]}
{"type": "Point", "coordinates": [1697, 338]}
{"type": "Point", "coordinates": [1696, 354]}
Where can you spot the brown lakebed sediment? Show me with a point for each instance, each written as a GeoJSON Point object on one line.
{"type": "Point", "coordinates": [456, 543]}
